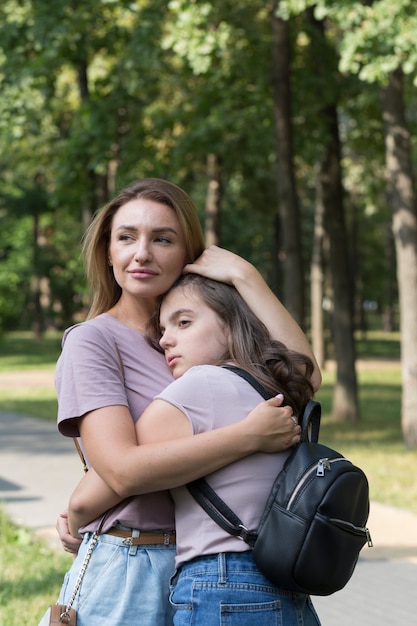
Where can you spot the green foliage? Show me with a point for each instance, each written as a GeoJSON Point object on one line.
{"type": "Point", "coordinates": [96, 94]}
{"type": "Point", "coordinates": [377, 37]}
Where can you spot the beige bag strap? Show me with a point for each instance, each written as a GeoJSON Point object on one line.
{"type": "Point", "coordinates": [76, 442]}
{"type": "Point", "coordinates": [81, 455]}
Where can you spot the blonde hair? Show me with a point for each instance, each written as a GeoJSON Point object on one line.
{"type": "Point", "coordinates": [105, 291]}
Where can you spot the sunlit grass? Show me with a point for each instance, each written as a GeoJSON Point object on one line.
{"type": "Point", "coordinates": [31, 575]}
{"type": "Point", "coordinates": [31, 401]}
{"type": "Point", "coordinates": [20, 351]}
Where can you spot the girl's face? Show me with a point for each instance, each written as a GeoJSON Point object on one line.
{"type": "Point", "coordinates": [147, 248]}
{"type": "Point", "coordinates": [192, 333]}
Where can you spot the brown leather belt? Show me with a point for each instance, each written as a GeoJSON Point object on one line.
{"type": "Point", "coordinates": [144, 538]}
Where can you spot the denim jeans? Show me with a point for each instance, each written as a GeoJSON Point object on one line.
{"type": "Point", "coordinates": [123, 585]}
{"type": "Point", "coordinates": [228, 590]}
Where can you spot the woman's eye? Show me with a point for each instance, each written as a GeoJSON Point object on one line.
{"type": "Point", "coordinates": [163, 240]}
{"type": "Point", "coordinates": [125, 237]}
{"type": "Point", "coordinates": [183, 323]}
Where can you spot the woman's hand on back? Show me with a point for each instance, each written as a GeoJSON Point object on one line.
{"type": "Point", "coordinates": [273, 426]}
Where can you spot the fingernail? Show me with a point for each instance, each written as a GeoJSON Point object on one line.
{"type": "Point", "coordinates": [279, 396]}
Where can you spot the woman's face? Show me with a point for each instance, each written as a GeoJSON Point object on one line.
{"type": "Point", "coordinates": [147, 248]}
{"type": "Point", "coordinates": [193, 334]}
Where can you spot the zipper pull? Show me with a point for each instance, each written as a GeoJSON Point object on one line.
{"type": "Point", "coordinates": [322, 466]}
{"type": "Point", "coordinates": [369, 538]}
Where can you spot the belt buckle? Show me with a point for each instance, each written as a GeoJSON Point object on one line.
{"type": "Point", "coordinates": [128, 541]}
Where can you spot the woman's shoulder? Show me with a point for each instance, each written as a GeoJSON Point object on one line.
{"type": "Point", "coordinates": [103, 326]}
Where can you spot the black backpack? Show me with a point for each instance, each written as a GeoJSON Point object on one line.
{"type": "Point", "coordinates": [314, 523]}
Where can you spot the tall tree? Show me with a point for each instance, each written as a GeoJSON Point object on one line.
{"type": "Point", "coordinates": [381, 49]}
{"type": "Point", "coordinates": [376, 45]}
{"type": "Point", "coordinates": [402, 196]}
{"type": "Point", "coordinates": [332, 198]}
{"type": "Point", "coordinates": [288, 231]}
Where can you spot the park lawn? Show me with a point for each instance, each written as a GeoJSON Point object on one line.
{"type": "Point", "coordinates": [31, 575]}
{"type": "Point", "coordinates": [21, 352]}
{"type": "Point", "coordinates": [375, 443]}
{"type": "Point", "coordinates": [30, 400]}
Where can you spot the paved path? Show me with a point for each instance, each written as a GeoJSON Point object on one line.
{"type": "Point", "coordinates": [39, 467]}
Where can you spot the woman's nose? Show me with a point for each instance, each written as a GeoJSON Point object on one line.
{"type": "Point", "coordinates": [143, 251]}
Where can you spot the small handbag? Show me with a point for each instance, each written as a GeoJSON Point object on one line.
{"type": "Point", "coordinates": [314, 522]}
{"type": "Point", "coordinates": [57, 614]}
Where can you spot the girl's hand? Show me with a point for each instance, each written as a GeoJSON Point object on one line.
{"type": "Point", "coordinates": [273, 425]}
{"type": "Point", "coordinates": [69, 543]}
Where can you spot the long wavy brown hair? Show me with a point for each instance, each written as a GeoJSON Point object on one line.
{"type": "Point", "coordinates": [251, 348]}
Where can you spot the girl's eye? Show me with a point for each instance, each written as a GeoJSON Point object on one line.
{"type": "Point", "coordinates": [183, 323]}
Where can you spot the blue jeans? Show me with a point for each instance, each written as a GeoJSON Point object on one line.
{"type": "Point", "coordinates": [229, 590]}
{"type": "Point", "coordinates": [123, 585]}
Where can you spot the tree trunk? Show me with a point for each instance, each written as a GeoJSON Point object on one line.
{"type": "Point", "coordinates": [345, 398]}
{"type": "Point", "coordinates": [330, 197]}
{"type": "Point", "coordinates": [38, 321]}
{"type": "Point", "coordinates": [289, 230]}
{"type": "Point", "coordinates": [403, 202]}
{"type": "Point", "coordinates": [212, 202]}
{"type": "Point", "coordinates": [316, 287]}
{"type": "Point", "coordinates": [89, 207]}
{"type": "Point", "coordinates": [388, 319]}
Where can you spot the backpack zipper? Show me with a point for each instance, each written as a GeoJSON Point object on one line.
{"type": "Point", "coordinates": [319, 468]}
{"type": "Point", "coordinates": [362, 530]}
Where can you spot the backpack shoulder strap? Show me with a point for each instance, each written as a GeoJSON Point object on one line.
{"type": "Point", "coordinates": [309, 421]}
{"type": "Point", "coordinates": [208, 499]}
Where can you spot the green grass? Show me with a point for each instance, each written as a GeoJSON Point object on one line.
{"type": "Point", "coordinates": [375, 443]}
{"type": "Point", "coordinates": [378, 344]}
{"type": "Point", "coordinates": [34, 401]}
{"type": "Point", "coordinates": [31, 575]}
{"type": "Point", "coordinates": [20, 351]}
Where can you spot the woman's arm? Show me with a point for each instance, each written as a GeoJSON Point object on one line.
{"type": "Point", "coordinates": [90, 499]}
{"type": "Point", "coordinates": [227, 267]}
{"type": "Point", "coordinates": [110, 443]}
{"type": "Point", "coordinates": [92, 496]}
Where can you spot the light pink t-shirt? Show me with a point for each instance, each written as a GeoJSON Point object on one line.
{"type": "Point", "coordinates": [212, 397]}
{"type": "Point", "coordinates": [89, 376]}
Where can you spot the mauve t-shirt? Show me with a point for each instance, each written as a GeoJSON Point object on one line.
{"type": "Point", "coordinates": [212, 397]}
{"type": "Point", "coordinates": [89, 376]}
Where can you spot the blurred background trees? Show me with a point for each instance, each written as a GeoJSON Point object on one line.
{"type": "Point", "coordinates": [291, 123]}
